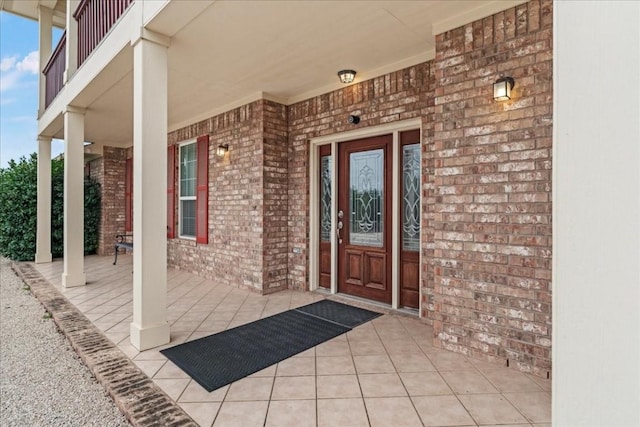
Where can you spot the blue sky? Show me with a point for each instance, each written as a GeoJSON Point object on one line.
{"type": "Point", "coordinates": [19, 88]}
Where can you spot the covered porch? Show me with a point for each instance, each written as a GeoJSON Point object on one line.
{"type": "Point", "coordinates": [385, 372]}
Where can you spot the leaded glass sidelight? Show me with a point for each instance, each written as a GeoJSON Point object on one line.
{"type": "Point", "coordinates": [411, 197]}
{"type": "Point", "coordinates": [366, 198]}
{"type": "Point", "coordinates": [325, 198]}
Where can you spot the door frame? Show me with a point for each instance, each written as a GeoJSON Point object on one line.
{"type": "Point", "coordinates": [314, 212]}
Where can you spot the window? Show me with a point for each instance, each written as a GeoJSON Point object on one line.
{"type": "Point", "coordinates": [187, 188]}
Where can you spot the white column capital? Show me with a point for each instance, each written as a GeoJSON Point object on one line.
{"type": "Point", "coordinates": [45, 139]}
{"type": "Point", "coordinates": [142, 33]}
{"type": "Point", "coordinates": [73, 109]}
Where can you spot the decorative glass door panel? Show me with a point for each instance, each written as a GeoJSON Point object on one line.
{"type": "Point", "coordinates": [364, 220]}
{"type": "Point", "coordinates": [366, 198]}
{"type": "Point", "coordinates": [410, 211]}
{"type": "Point", "coordinates": [326, 172]}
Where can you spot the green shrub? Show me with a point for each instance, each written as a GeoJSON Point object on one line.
{"type": "Point", "coordinates": [18, 210]}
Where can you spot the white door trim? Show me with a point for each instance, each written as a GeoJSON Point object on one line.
{"type": "Point", "coordinates": [314, 212]}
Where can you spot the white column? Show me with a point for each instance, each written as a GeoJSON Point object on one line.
{"type": "Point", "coordinates": [73, 274]}
{"type": "Point", "coordinates": [596, 214]}
{"type": "Point", "coordinates": [45, 25]}
{"type": "Point", "coordinates": [149, 327]}
{"type": "Point", "coordinates": [72, 41]}
{"type": "Point", "coordinates": [43, 233]}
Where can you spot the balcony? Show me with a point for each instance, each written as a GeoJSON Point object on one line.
{"type": "Point", "coordinates": [95, 19]}
{"type": "Point", "coordinates": [54, 71]}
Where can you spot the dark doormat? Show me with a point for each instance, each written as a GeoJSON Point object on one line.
{"type": "Point", "coordinates": [341, 314]}
{"type": "Point", "coordinates": [228, 356]}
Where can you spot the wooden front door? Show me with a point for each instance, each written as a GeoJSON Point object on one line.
{"type": "Point", "coordinates": [364, 217]}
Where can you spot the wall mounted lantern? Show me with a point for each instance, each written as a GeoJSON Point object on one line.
{"type": "Point", "coordinates": [502, 88]}
{"type": "Point", "coordinates": [346, 76]}
{"type": "Point", "coordinates": [222, 149]}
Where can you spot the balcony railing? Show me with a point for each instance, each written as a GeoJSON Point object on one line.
{"type": "Point", "coordinates": [95, 19]}
{"type": "Point", "coordinates": [54, 71]}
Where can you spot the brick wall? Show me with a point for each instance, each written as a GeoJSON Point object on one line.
{"type": "Point", "coordinates": [492, 228]}
{"type": "Point", "coordinates": [275, 184]}
{"type": "Point", "coordinates": [401, 95]}
{"type": "Point", "coordinates": [109, 171]}
{"type": "Point", "coordinates": [247, 200]}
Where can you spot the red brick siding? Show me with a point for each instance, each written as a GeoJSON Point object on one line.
{"type": "Point", "coordinates": [246, 187]}
{"type": "Point", "coordinates": [492, 240]}
{"type": "Point", "coordinates": [109, 172]}
{"type": "Point", "coordinates": [275, 185]}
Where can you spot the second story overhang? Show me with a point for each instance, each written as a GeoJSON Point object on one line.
{"type": "Point", "coordinates": [223, 54]}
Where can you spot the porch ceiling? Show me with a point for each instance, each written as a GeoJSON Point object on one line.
{"type": "Point", "coordinates": [233, 52]}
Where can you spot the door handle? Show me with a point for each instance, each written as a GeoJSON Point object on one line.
{"type": "Point", "coordinates": [339, 226]}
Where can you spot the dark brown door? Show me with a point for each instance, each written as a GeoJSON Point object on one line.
{"type": "Point", "coordinates": [410, 209]}
{"type": "Point", "coordinates": [364, 218]}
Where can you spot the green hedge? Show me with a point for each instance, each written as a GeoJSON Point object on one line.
{"type": "Point", "coordinates": [18, 210]}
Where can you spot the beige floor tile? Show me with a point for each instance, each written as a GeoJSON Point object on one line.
{"type": "Point", "coordinates": [342, 413]}
{"type": "Point", "coordinates": [424, 383]}
{"type": "Point", "coordinates": [333, 348]}
{"type": "Point", "coordinates": [491, 409]}
{"type": "Point", "coordinates": [367, 348]}
{"type": "Point", "coordinates": [401, 346]}
{"type": "Point", "coordinates": [286, 388]}
{"type": "Point", "coordinates": [536, 406]}
{"type": "Point", "coordinates": [337, 386]}
{"type": "Point", "coordinates": [258, 388]}
{"type": "Point", "coordinates": [442, 411]}
{"type": "Point", "coordinates": [373, 364]}
{"type": "Point", "coordinates": [153, 354]}
{"type": "Point", "coordinates": [447, 361]}
{"type": "Point", "coordinates": [173, 387]}
{"type": "Point", "coordinates": [307, 353]}
{"type": "Point", "coordinates": [392, 411]}
{"type": "Point", "coordinates": [464, 382]}
{"type": "Point", "coordinates": [484, 365]}
{"type": "Point", "coordinates": [242, 414]}
{"type": "Point", "coordinates": [149, 367]}
{"type": "Point", "coordinates": [364, 332]}
{"type": "Point", "coordinates": [545, 384]}
{"type": "Point", "coordinates": [335, 365]}
{"type": "Point", "coordinates": [170, 370]}
{"type": "Point", "coordinates": [291, 413]}
{"type": "Point", "coordinates": [510, 380]}
{"type": "Point", "coordinates": [417, 362]}
{"type": "Point", "coordinates": [296, 366]}
{"type": "Point", "coordinates": [196, 393]}
{"type": "Point", "coordinates": [266, 372]}
{"type": "Point", "coordinates": [202, 413]}
{"type": "Point", "coordinates": [381, 385]}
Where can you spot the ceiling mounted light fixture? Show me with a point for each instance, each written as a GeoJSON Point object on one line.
{"type": "Point", "coordinates": [502, 88]}
{"type": "Point", "coordinates": [346, 76]}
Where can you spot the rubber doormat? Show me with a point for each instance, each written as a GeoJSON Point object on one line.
{"type": "Point", "coordinates": [225, 357]}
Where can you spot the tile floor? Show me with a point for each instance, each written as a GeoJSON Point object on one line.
{"type": "Point", "coordinates": [383, 373]}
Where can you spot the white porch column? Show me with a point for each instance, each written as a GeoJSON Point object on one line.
{"type": "Point", "coordinates": [72, 41]}
{"type": "Point", "coordinates": [45, 25]}
{"type": "Point", "coordinates": [73, 273]}
{"type": "Point", "coordinates": [43, 233]}
{"type": "Point", "coordinates": [149, 327]}
{"type": "Point", "coordinates": [596, 214]}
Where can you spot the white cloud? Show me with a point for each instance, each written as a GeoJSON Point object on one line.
{"type": "Point", "coordinates": [12, 68]}
{"type": "Point", "coordinates": [9, 80]}
{"type": "Point", "coordinates": [7, 63]}
{"type": "Point", "coordinates": [29, 63]}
